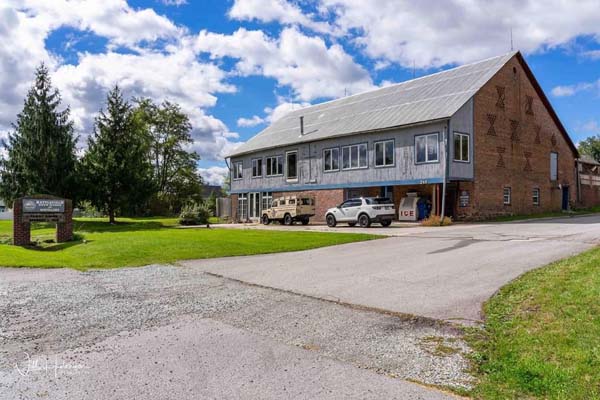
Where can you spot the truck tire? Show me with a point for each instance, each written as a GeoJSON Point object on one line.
{"type": "Point", "coordinates": [331, 222]}
{"type": "Point", "coordinates": [265, 220]}
{"type": "Point", "coordinates": [287, 219]}
{"type": "Point", "coordinates": [364, 221]}
{"type": "Point", "coordinates": [304, 221]}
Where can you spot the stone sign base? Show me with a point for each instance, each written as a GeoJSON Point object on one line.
{"type": "Point", "coordinates": [22, 222]}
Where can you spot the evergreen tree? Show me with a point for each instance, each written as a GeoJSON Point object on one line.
{"type": "Point", "coordinates": [40, 153]}
{"type": "Point", "coordinates": [117, 168]}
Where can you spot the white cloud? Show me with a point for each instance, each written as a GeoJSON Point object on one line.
{"type": "Point", "coordinates": [250, 122]}
{"type": "Point", "coordinates": [591, 54]}
{"type": "Point", "coordinates": [570, 90]}
{"type": "Point", "coordinates": [282, 109]}
{"type": "Point", "coordinates": [281, 11]}
{"type": "Point", "coordinates": [214, 175]}
{"type": "Point", "coordinates": [306, 64]}
{"type": "Point", "coordinates": [436, 33]}
{"type": "Point", "coordinates": [176, 3]}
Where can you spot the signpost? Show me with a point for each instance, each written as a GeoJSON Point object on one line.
{"type": "Point", "coordinates": [42, 209]}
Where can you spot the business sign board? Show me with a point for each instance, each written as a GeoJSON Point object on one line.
{"type": "Point", "coordinates": [40, 206]}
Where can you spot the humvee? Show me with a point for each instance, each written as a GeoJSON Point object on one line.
{"type": "Point", "coordinates": [288, 209]}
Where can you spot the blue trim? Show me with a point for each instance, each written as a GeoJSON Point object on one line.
{"type": "Point", "coordinates": [342, 185]}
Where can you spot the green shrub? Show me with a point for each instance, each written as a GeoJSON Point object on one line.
{"type": "Point", "coordinates": [195, 214]}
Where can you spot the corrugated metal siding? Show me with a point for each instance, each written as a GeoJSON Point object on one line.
{"type": "Point", "coordinates": [429, 98]}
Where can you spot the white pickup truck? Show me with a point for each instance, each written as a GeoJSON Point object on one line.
{"type": "Point", "coordinates": [362, 211]}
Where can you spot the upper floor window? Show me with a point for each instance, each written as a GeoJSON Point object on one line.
{"type": "Point", "coordinates": [427, 148]}
{"type": "Point", "coordinates": [354, 156]}
{"type": "Point", "coordinates": [553, 166]}
{"type": "Point", "coordinates": [331, 159]}
{"type": "Point", "coordinates": [257, 167]}
{"type": "Point", "coordinates": [384, 153]}
{"type": "Point", "coordinates": [461, 147]}
{"type": "Point", "coordinates": [291, 165]}
{"type": "Point", "coordinates": [274, 165]}
{"type": "Point", "coordinates": [238, 168]}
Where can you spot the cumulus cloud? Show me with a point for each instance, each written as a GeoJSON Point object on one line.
{"type": "Point", "coordinates": [250, 122]}
{"type": "Point", "coordinates": [306, 64]}
{"type": "Point", "coordinates": [176, 3]}
{"type": "Point", "coordinates": [214, 175]}
{"type": "Point", "coordinates": [570, 90]}
{"type": "Point", "coordinates": [437, 33]}
{"type": "Point", "coordinates": [281, 11]}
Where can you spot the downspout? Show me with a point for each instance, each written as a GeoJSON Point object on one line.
{"type": "Point", "coordinates": [230, 182]}
{"type": "Point", "coordinates": [446, 161]}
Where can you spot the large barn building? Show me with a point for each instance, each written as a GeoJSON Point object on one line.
{"type": "Point", "coordinates": [483, 133]}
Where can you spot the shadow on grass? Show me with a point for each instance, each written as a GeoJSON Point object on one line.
{"type": "Point", "coordinates": [104, 226]}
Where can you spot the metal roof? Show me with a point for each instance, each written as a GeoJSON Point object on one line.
{"type": "Point", "coordinates": [429, 98]}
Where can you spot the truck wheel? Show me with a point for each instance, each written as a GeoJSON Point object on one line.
{"type": "Point", "coordinates": [287, 219]}
{"type": "Point", "coordinates": [331, 222]}
{"type": "Point", "coordinates": [351, 224]}
{"type": "Point", "coordinates": [265, 220]}
{"type": "Point", "coordinates": [386, 223]}
{"type": "Point", "coordinates": [305, 221]}
{"type": "Point", "coordinates": [364, 221]}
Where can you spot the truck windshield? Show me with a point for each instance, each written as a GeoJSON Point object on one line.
{"type": "Point", "coordinates": [378, 200]}
{"type": "Point", "coordinates": [306, 202]}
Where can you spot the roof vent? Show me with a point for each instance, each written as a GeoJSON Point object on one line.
{"type": "Point", "coordinates": [302, 126]}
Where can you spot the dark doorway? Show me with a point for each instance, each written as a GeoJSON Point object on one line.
{"type": "Point", "coordinates": [451, 198]}
{"type": "Point", "coordinates": [565, 198]}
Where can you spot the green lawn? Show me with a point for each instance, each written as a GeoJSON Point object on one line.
{"type": "Point", "coordinates": [135, 242]}
{"type": "Point", "coordinates": [552, 214]}
{"type": "Point", "coordinates": [542, 336]}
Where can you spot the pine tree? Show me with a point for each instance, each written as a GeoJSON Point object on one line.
{"type": "Point", "coordinates": [116, 166]}
{"type": "Point", "coordinates": [40, 153]}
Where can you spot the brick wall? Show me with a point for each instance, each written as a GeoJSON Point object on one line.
{"type": "Point", "coordinates": [514, 135]}
{"type": "Point", "coordinates": [21, 230]}
{"type": "Point", "coordinates": [324, 199]}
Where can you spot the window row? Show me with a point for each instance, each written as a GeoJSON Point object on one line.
{"type": "Point", "coordinates": [355, 156]}
{"type": "Point", "coordinates": [507, 196]}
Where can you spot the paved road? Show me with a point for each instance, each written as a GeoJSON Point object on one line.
{"type": "Point", "coordinates": [442, 273]}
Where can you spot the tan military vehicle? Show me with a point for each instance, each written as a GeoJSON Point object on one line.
{"type": "Point", "coordinates": [289, 209]}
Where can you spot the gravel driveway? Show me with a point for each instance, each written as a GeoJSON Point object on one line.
{"type": "Point", "coordinates": [167, 332]}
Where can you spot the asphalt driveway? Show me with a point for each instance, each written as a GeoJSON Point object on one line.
{"type": "Point", "coordinates": [441, 273]}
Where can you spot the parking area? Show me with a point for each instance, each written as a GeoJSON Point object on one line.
{"type": "Point", "coordinates": [441, 273]}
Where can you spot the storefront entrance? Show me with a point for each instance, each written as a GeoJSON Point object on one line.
{"type": "Point", "coordinates": [254, 205]}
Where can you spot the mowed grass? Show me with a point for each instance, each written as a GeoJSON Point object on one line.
{"type": "Point", "coordinates": [542, 336]}
{"type": "Point", "coordinates": [136, 242]}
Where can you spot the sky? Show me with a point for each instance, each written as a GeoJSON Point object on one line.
{"type": "Point", "coordinates": [236, 65]}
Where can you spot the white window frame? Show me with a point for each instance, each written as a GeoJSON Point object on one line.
{"type": "Point", "coordinates": [426, 136]}
{"type": "Point", "coordinates": [331, 151]}
{"type": "Point", "coordinates": [384, 143]}
{"type": "Point", "coordinates": [243, 206]}
{"type": "Point", "coordinates": [462, 136]}
{"type": "Point", "coordinates": [269, 161]}
{"type": "Point", "coordinates": [266, 198]}
{"type": "Point", "coordinates": [536, 196]}
{"type": "Point", "coordinates": [286, 167]}
{"type": "Point", "coordinates": [260, 172]}
{"type": "Point", "coordinates": [238, 170]}
{"type": "Point", "coordinates": [507, 195]}
{"type": "Point", "coordinates": [358, 146]}
{"type": "Point", "coordinates": [553, 171]}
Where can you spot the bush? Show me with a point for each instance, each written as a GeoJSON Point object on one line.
{"type": "Point", "coordinates": [194, 214]}
{"type": "Point", "coordinates": [434, 220]}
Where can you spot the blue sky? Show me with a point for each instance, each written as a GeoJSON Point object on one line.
{"type": "Point", "coordinates": [235, 65]}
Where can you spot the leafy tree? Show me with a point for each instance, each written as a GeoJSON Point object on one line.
{"type": "Point", "coordinates": [591, 147]}
{"type": "Point", "coordinates": [174, 165]}
{"type": "Point", "coordinates": [212, 202]}
{"type": "Point", "coordinates": [40, 153]}
{"type": "Point", "coordinates": [117, 168]}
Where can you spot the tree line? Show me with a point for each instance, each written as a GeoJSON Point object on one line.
{"type": "Point", "coordinates": [137, 160]}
